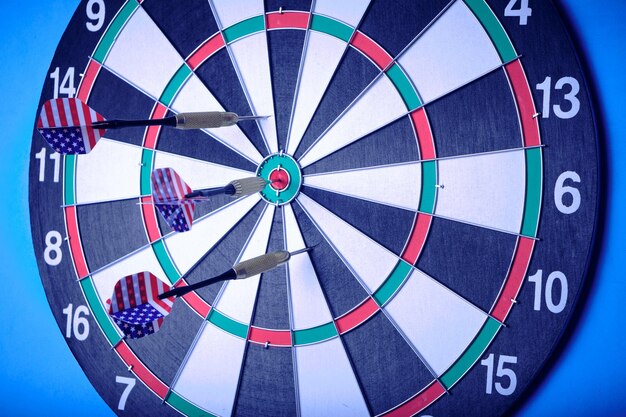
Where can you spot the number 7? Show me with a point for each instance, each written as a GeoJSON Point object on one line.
{"type": "Point", "coordinates": [130, 384]}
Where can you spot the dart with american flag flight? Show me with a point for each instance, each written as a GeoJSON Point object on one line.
{"type": "Point", "coordinates": [176, 201]}
{"type": "Point", "coordinates": [141, 301]}
{"type": "Point", "coordinates": [71, 127]}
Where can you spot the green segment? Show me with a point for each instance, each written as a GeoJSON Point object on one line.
{"type": "Point", "coordinates": [101, 316]}
{"type": "Point", "coordinates": [472, 354]}
{"type": "Point", "coordinates": [332, 27]}
{"type": "Point", "coordinates": [314, 334]}
{"type": "Point", "coordinates": [113, 30]}
{"type": "Point", "coordinates": [288, 164]}
{"type": "Point", "coordinates": [227, 324]}
{"type": "Point", "coordinates": [145, 186]}
{"type": "Point", "coordinates": [185, 407]}
{"type": "Point", "coordinates": [392, 283]}
{"type": "Point", "coordinates": [243, 28]}
{"type": "Point", "coordinates": [494, 28]}
{"type": "Point", "coordinates": [165, 261]}
{"type": "Point", "coordinates": [174, 85]}
{"type": "Point", "coordinates": [69, 163]}
{"type": "Point", "coordinates": [429, 189]}
{"type": "Point", "coordinates": [534, 169]}
{"type": "Point", "coordinates": [404, 87]}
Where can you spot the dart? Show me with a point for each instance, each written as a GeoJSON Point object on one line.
{"type": "Point", "coordinates": [141, 301]}
{"type": "Point", "coordinates": [175, 200]}
{"type": "Point", "coordinates": [71, 127]}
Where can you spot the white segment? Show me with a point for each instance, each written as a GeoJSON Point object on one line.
{"type": "Point", "coordinates": [392, 185]}
{"type": "Point", "coordinates": [251, 57]}
{"type": "Point", "coordinates": [377, 107]}
{"type": "Point", "coordinates": [229, 15]}
{"type": "Point", "coordinates": [370, 261]}
{"type": "Point", "coordinates": [111, 171]}
{"type": "Point", "coordinates": [487, 190]}
{"type": "Point", "coordinates": [143, 260]}
{"type": "Point", "coordinates": [188, 248]}
{"type": "Point", "coordinates": [439, 323]}
{"type": "Point", "coordinates": [238, 299]}
{"type": "Point", "coordinates": [322, 57]}
{"type": "Point", "coordinates": [210, 375]}
{"type": "Point", "coordinates": [142, 55]}
{"type": "Point", "coordinates": [195, 97]}
{"type": "Point", "coordinates": [326, 382]}
{"type": "Point", "coordinates": [347, 11]}
{"type": "Point", "coordinates": [453, 51]}
{"type": "Point", "coordinates": [308, 303]}
{"type": "Point", "coordinates": [199, 174]}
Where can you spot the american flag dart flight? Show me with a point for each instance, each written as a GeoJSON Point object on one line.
{"type": "Point", "coordinates": [175, 200]}
{"type": "Point", "coordinates": [71, 127]}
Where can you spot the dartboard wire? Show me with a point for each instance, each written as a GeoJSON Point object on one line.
{"type": "Point", "coordinates": [406, 114]}
{"type": "Point", "coordinates": [160, 239]}
{"type": "Point", "coordinates": [294, 359]}
{"type": "Point", "coordinates": [252, 317]}
{"type": "Point", "coordinates": [302, 60]}
{"type": "Point", "coordinates": [382, 307]}
{"type": "Point", "coordinates": [305, 47]}
{"type": "Point", "coordinates": [420, 161]}
{"type": "Point", "coordinates": [167, 106]}
{"type": "Point", "coordinates": [381, 73]}
{"type": "Point", "coordinates": [238, 72]}
{"type": "Point", "coordinates": [367, 290]}
{"type": "Point", "coordinates": [339, 336]}
{"type": "Point", "coordinates": [205, 321]}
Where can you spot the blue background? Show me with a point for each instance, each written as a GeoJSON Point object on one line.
{"type": "Point", "coordinates": [39, 375]}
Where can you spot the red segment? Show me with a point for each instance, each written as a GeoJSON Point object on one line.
{"type": "Point", "coordinates": [274, 337]}
{"type": "Point", "coordinates": [152, 134]}
{"type": "Point", "coordinates": [357, 316]}
{"type": "Point", "coordinates": [78, 256]}
{"type": "Point", "coordinates": [515, 279]}
{"type": "Point", "coordinates": [194, 301]}
{"type": "Point", "coordinates": [204, 51]}
{"type": "Point", "coordinates": [418, 238]}
{"type": "Point", "coordinates": [89, 78]}
{"type": "Point", "coordinates": [525, 103]}
{"type": "Point", "coordinates": [371, 49]}
{"type": "Point", "coordinates": [295, 20]}
{"type": "Point", "coordinates": [142, 372]}
{"type": "Point", "coordinates": [279, 179]}
{"type": "Point", "coordinates": [419, 402]}
{"type": "Point", "coordinates": [424, 134]}
{"type": "Point", "coordinates": [150, 219]}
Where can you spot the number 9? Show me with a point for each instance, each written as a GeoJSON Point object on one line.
{"type": "Point", "coordinates": [96, 15]}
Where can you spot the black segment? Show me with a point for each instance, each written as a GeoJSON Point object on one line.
{"type": "Point", "coordinates": [471, 261]}
{"type": "Point", "coordinates": [395, 23]}
{"type": "Point", "coordinates": [489, 100]}
{"type": "Point", "coordinates": [219, 76]}
{"type": "Point", "coordinates": [388, 369]}
{"type": "Point", "coordinates": [353, 74]}
{"type": "Point", "coordinates": [394, 143]}
{"type": "Point", "coordinates": [116, 239]}
{"type": "Point", "coordinates": [343, 292]}
{"type": "Point", "coordinates": [285, 62]}
{"type": "Point", "coordinates": [114, 98]}
{"type": "Point", "coordinates": [275, 5]}
{"type": "Point", "coordinates": [186, 25]}
{"type": "Point", "coordinates": [267, 383]}
{"type": "Point", "coordinates": [224, 255]}
{"type": "Point", "coordinates": [387, 225]}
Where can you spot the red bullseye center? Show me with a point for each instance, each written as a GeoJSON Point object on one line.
{"type": "Point", "coordinates": [279, 179]}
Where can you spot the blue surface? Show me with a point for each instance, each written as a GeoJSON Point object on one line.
{"type": "Point", "coordinates": [586, 379]}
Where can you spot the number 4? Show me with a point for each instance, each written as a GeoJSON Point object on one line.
{"type": "Point", "coordinates": [523, 12]}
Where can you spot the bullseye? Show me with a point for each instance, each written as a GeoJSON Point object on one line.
{"type": "Point", "coordinates": [279, 179]}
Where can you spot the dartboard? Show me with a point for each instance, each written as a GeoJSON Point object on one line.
{"type": "Point", "coordinates": [438, 158]}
